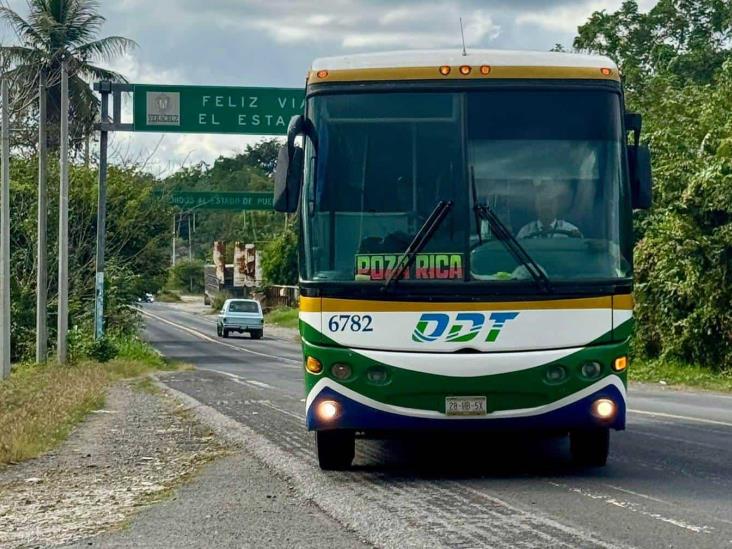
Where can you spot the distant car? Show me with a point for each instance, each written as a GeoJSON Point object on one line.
{"type": "Point", "coordinates": [240, 315]}
{"type": "Point", "coordinates": [146, 298]}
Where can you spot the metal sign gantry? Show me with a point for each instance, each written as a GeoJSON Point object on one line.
{"type": "Point", "coordinates": [184, 109]}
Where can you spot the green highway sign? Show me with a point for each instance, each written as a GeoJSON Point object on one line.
{"type": "Point", "coordinates": [215, 109]}
{"type": "Point", "coordinates": [221, 200]}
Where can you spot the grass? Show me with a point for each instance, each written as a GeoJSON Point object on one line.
{"type": "Point", "coordinates": [40, 404]}
{"type": "Point", "coordinates": [678, 374]}
{"type": "Point", "coordinates": [283, 316]}
{"type": "Point", "coordinates": [168, 296]}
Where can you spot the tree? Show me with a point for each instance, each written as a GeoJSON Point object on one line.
{"type": "Point", "coordinates": [137, 247]}
{"type": "Point", "coordinates": [677, 66]}
{"type": "Point", "coordinates": [247, 171]}
{"type": "Point", "coordinates": [53, 31]}
{"type": "Point", "coordinates": [687, 39]}
{"type": "Point", "coordinates": [279, 259]}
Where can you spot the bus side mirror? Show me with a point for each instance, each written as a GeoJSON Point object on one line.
{"type": "Point", "coordinates": [641, 178]}
{"type": "Point", "coordinates": [289, 171]}
{"type": "Point", "coordinates": [288, 179]}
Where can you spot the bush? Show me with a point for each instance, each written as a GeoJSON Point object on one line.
{"type": "Point", "coordinates": [83, 345]}
{"type": "Point", "coordinates": [217, 303]}
{"type": "Point", "coordinates": [279, 259]}
{"type": "Point", "coordinates": [187, 276]}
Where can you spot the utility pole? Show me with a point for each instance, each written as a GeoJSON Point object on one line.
{"type": "Point", "coordinates": [174, 235]}
{"type": "Point", "coordinates": [190, 239]}
{"type": "Point", "coordinates": [42, 252]}
{"type": "Point", "coordinates": [63, 222]}
{"type": "Point", "coordinates": [105, 89]}
{"type": "Point", "coordinates": [5, 237]}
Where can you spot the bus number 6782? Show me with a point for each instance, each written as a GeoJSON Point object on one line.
{"type": "Point", "coordinates": [351, 323]}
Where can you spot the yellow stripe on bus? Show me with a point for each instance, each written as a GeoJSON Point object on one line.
{"type": "Point", "coordinates": [316, 304]}
{"type": "Point", "coordinates": [623, 302]}
{"type": "Point", "coordinates": [433, 73]}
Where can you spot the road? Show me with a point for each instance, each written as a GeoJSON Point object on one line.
{"type": "Point", "coordinates": [668, 482]}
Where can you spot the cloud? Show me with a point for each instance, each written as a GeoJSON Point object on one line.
{"type": "Point", "coordinates": [566, 18]}
{"type": "Point", "coordinates": [350, 26]}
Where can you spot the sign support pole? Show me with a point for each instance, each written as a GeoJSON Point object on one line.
{"type": "Point", "coordinates": [63, 224]}
{"type": "Point", "coordinates": [5, 237]}
{"type": "Point", "coordinates": [105, 88]}
{"type": "Point", "coordinates": [42, 252]}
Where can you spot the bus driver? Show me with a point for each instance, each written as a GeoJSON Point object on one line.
{"type": "Point", "coordinates": [548, 204]}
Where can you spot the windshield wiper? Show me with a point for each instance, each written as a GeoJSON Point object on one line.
{"type": "Point", "coordinates": [520, 255]}
{"type": "Point", "coordinates": [420, 240]}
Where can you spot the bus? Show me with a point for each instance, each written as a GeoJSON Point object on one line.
{"type": "Point", "coordinates": [465, 245]}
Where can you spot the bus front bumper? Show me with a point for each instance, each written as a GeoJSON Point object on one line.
{"type": "Point", "coordinates": [333, 406]}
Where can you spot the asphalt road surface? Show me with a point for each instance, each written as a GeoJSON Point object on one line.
{"type": "Point", "coordinates": [668, 482]}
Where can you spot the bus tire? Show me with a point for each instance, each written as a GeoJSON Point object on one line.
{"type": "Point", "coordinates": [590, 447]}
{"type": "Point", "coordinates": [336, 449]}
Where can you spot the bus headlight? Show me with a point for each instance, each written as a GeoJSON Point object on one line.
{"type": "Point", "coordinates": [603, 408]}
{"type": "Point", "coordinates": [591, 369]}
{"type": "Point", "coordinates": [327, 410]}
{"type": "Point", "coordinates": [377, 375]}
{"type": "Point", "coordinates": [341, 371]}
{"type": "Point", "coordinates": [556, 373]}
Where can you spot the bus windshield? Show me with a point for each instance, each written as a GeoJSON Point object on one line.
{"type": "Point", "coordinates": [547, 163]}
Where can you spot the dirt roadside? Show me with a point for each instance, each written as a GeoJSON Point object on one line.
{"type": "Point", "coordinates": [128, 454]}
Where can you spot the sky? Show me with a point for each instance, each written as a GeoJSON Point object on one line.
{"type": "Point", "coordinates": [273, 42]}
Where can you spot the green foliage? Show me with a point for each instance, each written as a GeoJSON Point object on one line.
{"type": "Point", "coordinates": [186, 276]}
{"type": "Point", "coordinates": [217, 303]}
{"type": "Point", "coordinates": [679, 373]}
{"type": "Point", "coordinates": [248, 171]}
{"type": "Point", "coordinates": [686, 39]}
{"type": "Point", "coordinates": [283, 316]}
{"type": "Point", "coordinates": [52, 31]}
{"type": "Point", "coordinates": [137, 257]}
{"type": "Point", "coordinates": [677, 65]}
{"type": "Point", "coordinates": [83, 345]}
{"type": "Point", "coordinates": [279, 259]}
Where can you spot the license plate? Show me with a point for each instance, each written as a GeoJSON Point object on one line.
{"type": "Point", "coordinates": [465, 406]}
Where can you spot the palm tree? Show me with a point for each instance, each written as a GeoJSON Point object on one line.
{"type": "Point", "coordinates": [53, 31]}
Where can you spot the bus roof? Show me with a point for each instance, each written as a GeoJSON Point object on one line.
{"type": "Point", "coordinates": [425, 64]}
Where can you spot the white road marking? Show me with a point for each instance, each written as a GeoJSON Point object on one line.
{"type": "Point", "coordinates": [258, 384]}
{"type": "Point", "coordinates": [541, 519]}
{"type": "Point", "coordinates": [635, 508]}
{"type": "Point", "coordinates": [685, 418]}
{"type": "Point", "coordinates": [638, 494]}
{"type": "Point", "coordinates": [204, 337]}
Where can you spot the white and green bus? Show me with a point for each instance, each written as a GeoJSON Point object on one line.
{"type": "Point", "coordinates": [465, 245]}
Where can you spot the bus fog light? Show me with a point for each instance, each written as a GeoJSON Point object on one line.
{"type": "Point", "coordinates": [341, 371]}
{"type": "Point", "coordinates": [603, 408]}
{"type": "Point", "coordinates": [591, 370]}
{"type": "Point", "coordinates": [327, 410]}
{"type": "Point", "coordinates": [313, 365]}
{"type": "Point", "coordinates": [377, 375]}
{"type": "Point", "coordinates": [556, 373]}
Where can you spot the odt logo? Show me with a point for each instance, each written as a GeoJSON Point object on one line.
{"type": "Point", "coordinates": [466, 327]}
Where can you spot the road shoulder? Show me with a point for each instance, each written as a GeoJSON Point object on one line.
{"type": "Point", "coordinates": [129, 454]}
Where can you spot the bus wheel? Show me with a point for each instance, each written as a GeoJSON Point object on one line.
{"type": "Point", "coordinates": [590, 447]}
{"type": "Point", "coordinates": [335, 449]}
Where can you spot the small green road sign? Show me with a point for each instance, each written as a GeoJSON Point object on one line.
{"type": "Point", "coordinates": [221, 200]}
{"type": "Point", "coordinates": [215, 109]}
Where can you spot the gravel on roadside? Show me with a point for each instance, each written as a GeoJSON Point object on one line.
{"type": "Point", "coordinates": [129, 454]}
